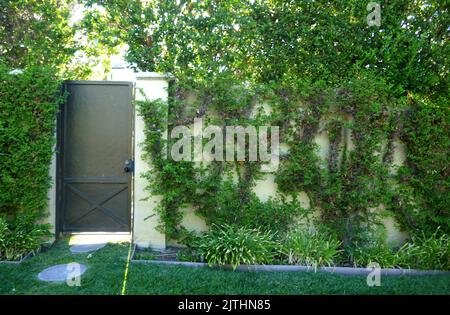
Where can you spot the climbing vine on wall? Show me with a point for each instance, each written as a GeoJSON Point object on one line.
{"type": "Point", "coordinates": [347, 186]}
{"type": "Point", "coordinates": [422, 200]}
{"type": "Point", "coordinates": [321, 69]}
{"type": "Point", "coordinates": [210, 188]}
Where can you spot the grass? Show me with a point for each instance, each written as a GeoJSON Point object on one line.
{"type": "Point", "coordinates": [107, 273]}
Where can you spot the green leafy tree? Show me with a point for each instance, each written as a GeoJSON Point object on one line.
{"type": "Point", "coordinates": [265, 40]}
{"type": "Point", "coordinates": [46, 33]}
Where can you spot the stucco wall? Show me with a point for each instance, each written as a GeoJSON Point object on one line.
{"type": "Point", "coordinates": [154, 86]}
{"type": "Point", "coordinates": [51, 196]}
{"type": "Point", "coordinates": [266, 187]}
{"type": "Point", "coordinates": [148, 86]}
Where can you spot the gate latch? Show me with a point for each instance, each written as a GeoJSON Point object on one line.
{"type": "Point", "coordinates": [129, 166]}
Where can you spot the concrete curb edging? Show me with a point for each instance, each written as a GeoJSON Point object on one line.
{"type": "Point", "coordinates": [349, 271]}
{"type": "Point", "coordinates": [16, 262]}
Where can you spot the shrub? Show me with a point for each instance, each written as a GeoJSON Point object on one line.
{"type": "Point", "coordinates": [21, 236]}
{"type": "Point", "coordinates": [3, 232]}
{"type": "Point", "coordinates": [427, 252]}
{"type": "Point", "coordinates": [379, 253]}
{"type": "Point", "coordinates": [311, 249]}
{"type": "Point", "coordinates": [188, 254]}
{"type": "Point", "coordinates": [229, 244]}
{"type": "Point", "coordinates": [29, 103]}
{"type": "Point", "coordinates": [371, 246]}
{"type": "Point", "coordinates": [421, 252]}
{"type": "Point", "coordinates": [28, 106]}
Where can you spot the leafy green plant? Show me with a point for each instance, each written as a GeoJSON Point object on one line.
{"type": "Point", "coordinates": [28, 108]}
{"type": "Point", "coordinates": [427, 252]}
{"type": "Point", "coordinates": [21, 236]}
{"type": "Point", "coordinates": [371, 247]}
{"type": "Point", "coordinates": [358, 100]}
{"type": "Point", "coordinates": [423, 251]}
{"type": "Point", "coordinates": [3, 233]}
{"type": "Point", "coordinates": [188, 254]}
{"type": "Point", "coordinates": [230, 244]}
{"type": "Point", "coordinates": [310, 249]}
{"type": "Point", "coordinates": [43, 33]}
{"type": "Point", "coordinates": [422, 201]}
{"type": "Point", "coordinates": [380, 253]}
{"type": "Point", "coordinates": [145, 255]}
{"type": "Point", "coordinates": [225, 206]}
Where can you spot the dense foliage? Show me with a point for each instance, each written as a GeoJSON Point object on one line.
{"type": "Point", "coordinates": [311, 249]}
{"type": "Point", "coordinates": [322, 69]}
{"type": "Point", "coordinates": [28, 106]}
{"type": "Point", "coordinates": [21, 236]}
{"type": "Point", "coordinates": [422, 203]}
{"type": "Point", "coordinates": [49, 33]}
{"type": "Point", "coordinates": [268, 40]}
{"type": "Point", "coordinates": [426, 252]}
{"type": "Point", "coordinates": [29, 102]}
{"type": "Point", "coordinates": [228, 244]}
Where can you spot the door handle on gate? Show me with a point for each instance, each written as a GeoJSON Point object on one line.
{"type": "Point", "coordinates": [129, 166]}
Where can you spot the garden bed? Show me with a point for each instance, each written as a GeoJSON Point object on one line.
{"type": "Point", "coordinates": [169, 254]}
{"type": "Point", "coordinates": [41, 249]}
{"type": "Point", "coordinates": [169, 257]}
{"type": "Point", "coordinates": [22, 259]}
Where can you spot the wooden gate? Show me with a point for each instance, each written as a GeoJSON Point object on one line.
{"type": "Point", "coordinates": [95, 157]}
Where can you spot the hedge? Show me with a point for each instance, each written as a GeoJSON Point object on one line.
{"type": "Point", "coordinates": [29, 102]}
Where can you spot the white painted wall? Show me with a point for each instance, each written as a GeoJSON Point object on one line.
{"type": "Point", "coordinates": [148, 86]}
{"type": "Point", "coordinates": [51, 196]}
{"type": "Point", "coordinates": [145, 220]}
{"type": "Point", "coordinates": [266, 187]}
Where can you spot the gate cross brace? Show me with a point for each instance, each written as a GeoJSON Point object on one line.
{"type": "Point", "coordinates": [99, 205]}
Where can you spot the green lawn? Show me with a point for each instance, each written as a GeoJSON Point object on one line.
{"type": "Point", "coordinates": [107, 274]}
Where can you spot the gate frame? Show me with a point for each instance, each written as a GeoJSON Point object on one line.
{"type": "Point", "coordinates": [60, 132]}
{"type": "Point", "coordinates": [145, 218]}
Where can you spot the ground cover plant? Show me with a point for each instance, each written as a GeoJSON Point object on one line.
{"type": "Point", "coordinates": [234, 245]}
{"type": "Point", "coordinates": [311, 249]}
{"type": "Point", "coordinates": [106, 274]}
{"type": "Point", "coordinates": [21, 236]}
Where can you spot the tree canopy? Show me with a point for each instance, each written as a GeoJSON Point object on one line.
{"type": "Point", "coordinates": [47, 33]}
{"type": "Point", "coordinates": [273, 40]}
